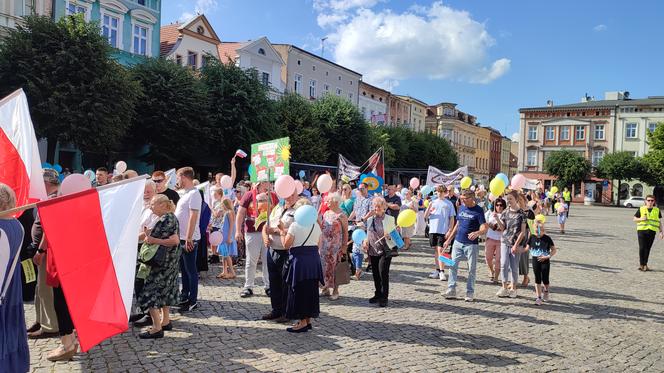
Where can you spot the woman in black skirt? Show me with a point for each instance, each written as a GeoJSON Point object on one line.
{"type": "Point", "coordinates": [305, 273]}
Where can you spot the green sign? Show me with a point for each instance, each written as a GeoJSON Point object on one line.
{"type": "Point", "coordinates": [269, 159]}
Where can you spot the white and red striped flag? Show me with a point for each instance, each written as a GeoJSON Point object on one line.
{"type": "Point", "coordinates": [20, 165]}
{"type": "Point", "coordinates": [93, 240]}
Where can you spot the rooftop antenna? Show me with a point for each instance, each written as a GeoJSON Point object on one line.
{"type": "Point", "coordinates": [322, 44]}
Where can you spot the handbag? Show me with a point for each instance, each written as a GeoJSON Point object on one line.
{"type": "Point", "coordinates": [152, 255]}
{"type": "Point", "coordinates": [342, 271]}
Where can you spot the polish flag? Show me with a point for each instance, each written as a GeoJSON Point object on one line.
{"type": "Point", "coordinates": [92, 238]}
{"type": "Point", "coordinates": [20, 165]}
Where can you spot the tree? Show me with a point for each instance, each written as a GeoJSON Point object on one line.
{"type": "Point", "coordinates": [240, 112]}
{"type": "Point", "coordinates": [172, 108]}
{"type": "Point", "coordinates": [77, 94]}
{"type": "Point", "coordinates": [619, 166]}
{"type": "Point", "coordinates": [568, 166]}
{"type": "Point", "coordinates": [653, 160]}
{"type": "Point", "coordinates": [295, 117]}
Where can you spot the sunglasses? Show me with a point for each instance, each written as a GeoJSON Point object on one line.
{"type": "Point", "coordinates": [158, 180]}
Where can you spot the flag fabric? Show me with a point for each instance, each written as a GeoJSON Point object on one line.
{"type": "Point", "coordinates": [20, 165]}
{"type": "Point", "coordinates": [241, 153]}
{"type": "Point", "coordinates": [437, 177]}
{"type": "Point", "coordinates": [375, 165]}
{"type": "Point", "coordinates": [93, 242]}
{"type": "Point", "coordinates": [171, 178]}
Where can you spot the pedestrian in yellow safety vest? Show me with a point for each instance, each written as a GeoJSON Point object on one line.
{"type": "Point", "coordinates": [648, 223]}
{"type": "Point", "coordinates": [567, 196]}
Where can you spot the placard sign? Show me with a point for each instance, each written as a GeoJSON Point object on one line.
{"type": "Point", "coordinates": [270, 159]}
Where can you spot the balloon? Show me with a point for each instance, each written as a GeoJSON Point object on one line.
{"type": "Point", "coordinates": [556, 206]}
{"type": "Point", "coordinates": [306, 215]}
{"type": "Point", "coordinates": [215, 238]}
{"type": "Point", "coordinates": [403, 192]}
{"type": "Point", "coordinates": [426, 203]}
{"type": "Point", "coordinates": [46, 165]}
{"type": "Point", "coordinates": [324, 183]}
{"type": "Point", "coordinates": [359, 236]}
{"type": "Point", "coordinates": [299, 187]}
{"type": "Point", "coordinates": [492, 197]}
{"type": "Point", "coordinates": [554, 190]}
{"type": "Point", "coordinates": [74, 183]}
{"type": "Point", "coordinates": [406, 218]}
{"type": "Point", "coordinates": [58, 168]}
{"type": "Point", "coordinates": [504, 178]}
{"type": "Point", "coordinates": [497, 186]}
{"type": "Point", "coordinates": [414, 183]}
{"type": "Point", "coordinates": [426, 190]}
{"type": "Point", "coordinates": [284, 186]}
{"type": "Point", "coordinates": [301, 174]}
{"type": "Point", "coordinates": [541, 218]}
{"type": "Point", "coordinates": [518, 181]}
{"type": "Point", "coordinates": [89, 174]}
{"type": "Point", "coordinates": [465, 182]}
{"type": "Point", "coordinates": [472, 188]}
{"type": "Point", "coordinates": [121, 166]}
{"type": "Point", "coordinates": [226, 182]}
{"type": "Point", "coordinates": [251, 170]}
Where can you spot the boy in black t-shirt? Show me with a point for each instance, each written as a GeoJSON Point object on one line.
{"type": "Point", "coordinates": [541, 248]}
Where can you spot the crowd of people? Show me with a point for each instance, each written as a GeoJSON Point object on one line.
{"type": "Point", "coordinates": [352, 234]}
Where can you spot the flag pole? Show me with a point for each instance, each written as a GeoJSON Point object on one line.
{"type": "Point", "coordinates": [103, 187]}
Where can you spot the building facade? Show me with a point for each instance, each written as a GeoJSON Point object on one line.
{"type": "Point", "coordinates": [191, 43]}
{"type": "Point", "coordinates": [495, 146]}
{"type": "Point", "coordinates": [312, 76]}
{"type": "Point", "coordinates": [417, 113]}
{"type": "Point", "coordinates": [259, 55]}
{"type": "Point", "coordinates": [505, 151]}
{"type": "Point", "coordinates": [459, 128]}
{"type": "Point", "coordinates": [372, 102]}
{"type": "Point", "coordinates": [11, 12]}
{"type": "Point", "coordinates": [482, 154]}
{"type": "Point", "coordinates": [399, 110]}
{"type": "Point", "coordinates": [132, 27]}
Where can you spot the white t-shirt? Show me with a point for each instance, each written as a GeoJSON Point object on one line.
{"type": "Point", "coordinates": [190, 200]}
{"type": "Point", "coordinates": [494, 235]}
{"type": "Point", "coordinates": [439, 218]}
{"type": "Point", "coordinates": [300, 233]}
{"type": "Point", "coordinates": [286, 218]}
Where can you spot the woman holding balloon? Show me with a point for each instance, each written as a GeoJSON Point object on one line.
{"type": "Point", "coordinates": [335, 236]}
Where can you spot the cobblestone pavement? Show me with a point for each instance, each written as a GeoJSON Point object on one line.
{"type": "Point", "coordinates": [604, 316]}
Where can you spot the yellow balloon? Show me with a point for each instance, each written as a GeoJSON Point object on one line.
{"type": "Point", "coordinates": [406, 218]}
{"type": "Point", "coordinates": [541, 218]}
{"type": "Point", "coordinates": [556, 205]}
{"type": "Point", "coordinates": [497, 186]}
{"type": "Point", "coordinates": [465, 182]}
{"type": "Point", "coordinates": [554, 190]}
{"type": "Point", "coordinates": [426, 203]}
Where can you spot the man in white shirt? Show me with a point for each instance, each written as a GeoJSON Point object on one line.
{"type": "Point", "coordinates": [187, 212]}
{"type": "Point", "coordinates": [441, 221]}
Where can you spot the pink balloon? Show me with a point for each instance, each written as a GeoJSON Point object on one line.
{"type": "Point", "coordinates": [215, 238]}
{"type": "Point", "coordinates": [414, 183]}
{"type": "Point", "coordinates": [492, 197]}
{"type": "Point", "coordinates": [226, 182]}
{"type": "Point", "coordinates": [284, 186]}
{"type": "Point", "coordinates": [74, 183]}
{"type": "Point", "coordinates": [324, 183]}
{"type": "Point", "coordinates": [298, 187]}
{"type": "Point", "coordinates": [518, 181]}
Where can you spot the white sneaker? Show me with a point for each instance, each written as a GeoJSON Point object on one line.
{"type": "Point", "coordinates": [450, 294]}
{"type": "Point", "coordinates": [512, 293]}
{"type": "Point", "coordinates": [469, 297]}
{"type": "Point", "coordinates": [545, 296]}
{"type": "Point", "coordinates": [538, 301]}
{"type": "Point", "coordinates": [442, 276]}
{"type": "Point", "coordinates": [503, 293]}
{"type": "Point", "coordinates": [434, 274]}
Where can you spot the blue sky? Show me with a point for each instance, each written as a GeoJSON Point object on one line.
{"type": "Point", "coordinates": [489, 57]}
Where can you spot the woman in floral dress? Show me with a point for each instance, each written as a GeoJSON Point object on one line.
{"type": "Point", "coordinates": [335, 235]}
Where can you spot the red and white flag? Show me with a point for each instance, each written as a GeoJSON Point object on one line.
{"type": "Point", "coordinates": [20, 165]}
{"type": "Point", "coordinates": [93, 240]}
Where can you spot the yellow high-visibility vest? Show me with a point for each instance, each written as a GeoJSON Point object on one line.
{"type": "Point", "coordinates": [653, 219]}
{"type": "Point", "coordinates": [567, 196]}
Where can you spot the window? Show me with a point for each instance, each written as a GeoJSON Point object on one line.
{"type": "Point", "coordinates": [597, 156]}
{"type": "Point", "coordinates": [630, 130]}
{"type": "Point", "coordinates": [448, 112]}
{"type": "Point", "coordinates": [265, 79]}
{"type": "Point", "coordinates": [351, 82]}
{"type": "Point", "coordinates": [312, 89]}
{"type": "Point", "coordinates": [599, 132]}
{"type": "Point", "coordinates": [350, 96]}
{"type": "Point", "coordinates": [73, 8]}
{"type": "Point", "coordinates": [192, 59]}
{"type": "Point", "coordinates": [580, 133]}
{"type": "Point", "coordinates": [140, 40]}
{"type": "Point", "coordinates": [564, 133]}
{"type": "Point", "coordinates": [261, 51]}
{"type": "Point", "coordinates": [178, 59]}
{"type": "Point", "coordinates": [532, 133]}
{"type": "Point", "coordinates": [550, 133]}
{"type": "Point", "coordinates": [651, 127]}
{"type": "Point", "coordinates": [299, 62]}
{"type": "Point", "coordinates": [637, 190]}
{"type": "Point", "coordinates": [109, 29]}
{"type": "Point", "coordinates": [326, 87]}
{"type": "Point", "coordinates": [297, 87]}
{"type": "Point", "coordinates": [141, 2]}
{"type": "Point", "coordinates": [313, 68]}
{"type": "Point", "coordinates": [205, 59]}
{"type": "Point", "coordinates": [338, 91]}
{"type": "Point", "coordinates": [200, 30]}
{"type": "Point", "coordinates": [532, 158]}
{"type": "Point", "coordinates": [339, 77]}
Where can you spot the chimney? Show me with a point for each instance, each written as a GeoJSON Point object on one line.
{"type": "Point", "coordinates": [549, 103]}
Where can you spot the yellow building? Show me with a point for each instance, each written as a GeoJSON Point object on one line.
{"type": "Point", "coordinates": [459, 128]}
{"type": "Point", "coordinates": [418, 113]}
{"type": "Point", "coordinates": [483, 138]}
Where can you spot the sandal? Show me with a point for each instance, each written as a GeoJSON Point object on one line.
{"type": "Point", "coordinates": [63, 353]}
{"type": "Point", "coordinates": [221, 275]}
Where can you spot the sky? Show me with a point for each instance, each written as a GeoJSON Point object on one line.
{"type": "Point", "coordinates": [489, 57]}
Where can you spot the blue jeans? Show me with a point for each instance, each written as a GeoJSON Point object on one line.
{"type": "Point", "coordinates": [189, 273]}
{"type": "Point", "coordinates": [468, 252]}
{"type": "Point", "coordinates": [509, 262]}
{"type": "Point", "coordinates": [358, 258]}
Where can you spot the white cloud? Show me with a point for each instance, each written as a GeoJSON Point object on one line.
{"type": "Point", "coordinates": [515, 136]}
{"type": "Point", "coordinates": [437, 42]}
{"type": "Point", "coordinates": [200, 7]}
{"type": "Point", "coordinates": [600, 28]}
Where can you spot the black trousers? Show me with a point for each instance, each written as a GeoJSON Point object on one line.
{"type": "Point", "coordinates": [65, 324]}
{"type": "Point", "coordinates": [646, 239]}
{"type": "Point", "coordinates": [569, 204]}
{"type": "Point", "coordinates": [380, 268]}
{"type": "Point", "coordinates": [541, 270]}
{"type": "Point", "coordinates": [277, 267]}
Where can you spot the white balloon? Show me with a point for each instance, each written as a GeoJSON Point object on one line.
{"type": "Point", "coordinates": [226, 182]}
{"type": "Point", "coordinates": [121, 166]}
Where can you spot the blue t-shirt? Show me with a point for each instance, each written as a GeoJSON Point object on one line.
{"type": "Point", "coordinates": [469, 220]}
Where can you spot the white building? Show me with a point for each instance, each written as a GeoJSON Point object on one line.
{"type": "Point", "coordinates": [373, 103]}
{"type": "Point", "coordinates": [11, 12]}
{"type": "Point", "coordinates": [312, 76]}
{"type": "Point", "coordinates": [259, 55]}
{"type": "Point", "coordinates": [190, 43]}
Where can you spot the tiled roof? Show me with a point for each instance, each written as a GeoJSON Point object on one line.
{"type": "Point", "coordinates": [655, 100]}
{"type": "Point", "coordinates": [227, 50]}
{"type": "Point", "coordinates": [169, 35]}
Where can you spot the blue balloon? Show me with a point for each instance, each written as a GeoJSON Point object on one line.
{"type": "Point", "coordinates": [46, 165]}
{"type": "Point", "coordinates": [403, 192]}
{"type": "Point", "coordinates": [301, 173]}
{"type": "Point", "coordinates": [359, 236]}
{"type": "Point", "coordinates": [306, 215]}
{"type": "Point", "coordinates": [504, 178]}
{"type": "Point", "coordinates": [58, 168]}
{"type": "Point", "coordinates": [426, 190]}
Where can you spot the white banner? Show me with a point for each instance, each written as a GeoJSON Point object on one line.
{"type": "Point", "coordinates": [531, 184]}
{"type": "Point", "coordinates": [170, 178]}
{"type": "Point", "coordinates": [437, 177]}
